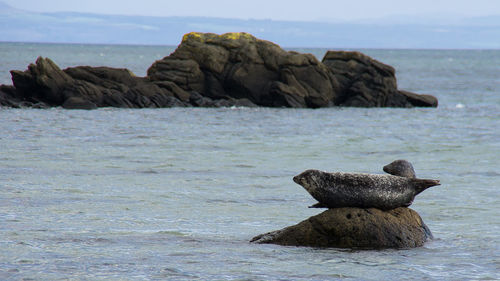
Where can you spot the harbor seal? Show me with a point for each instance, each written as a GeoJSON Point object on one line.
{"type": "Point", "coordinates": [385, 192]}
{"type": "Point", "coordinates": [400, 168]}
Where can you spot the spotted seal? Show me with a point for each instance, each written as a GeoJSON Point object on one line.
{"type": "Point", "coordinates": [385, 192]}
{"type": "Point", "coordinates": [400, 168]}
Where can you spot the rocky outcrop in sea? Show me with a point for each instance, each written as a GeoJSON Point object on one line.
{"type": "Point", "coordinates": [210, 70]}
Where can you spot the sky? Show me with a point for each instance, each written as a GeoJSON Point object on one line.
{"type": "Point", "coordinates": [304, 10]}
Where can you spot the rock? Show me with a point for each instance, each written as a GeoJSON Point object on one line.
{"type": "Point", "coordinates": [90, 92]}
{"type": "Point", "coordinates": [178, 93]}
{"type": "Point", "coordinates": [43, 81]}
{"type": "Point", "coordinates": [240, 66]}
{"type": "Point", "coordinates": [420, 100]}
{"type": "Point", "coordinates": [78, 103]}
{"type": "Point", "coordinates": [210, 70]}
{"type": "Point", "coordinates": [8, 97]}
{"type": "Point", "coordinates": [85, 87]}
{"type": "Point", "coordinates": [366, 82]}
{"type": "Point", "coordinates": [184, 73]}
{"type": "Point", "coordinates": [106, 86]}
{"type": "Point", "coordinates": [196, 99]}
{"type": "Point", "coordinates": [354, 228]}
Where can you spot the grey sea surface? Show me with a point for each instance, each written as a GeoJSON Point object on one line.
{"type": "Point", "coordinates": [177, 193]}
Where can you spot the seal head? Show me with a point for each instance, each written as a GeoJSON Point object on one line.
{"type": "Point", "coordinates": [309, 179]}
{"type": "Point", "coordinates": [401, 168]}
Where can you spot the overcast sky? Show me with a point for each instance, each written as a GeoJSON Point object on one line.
{"type": "Point", "coordinates": [304, 10]}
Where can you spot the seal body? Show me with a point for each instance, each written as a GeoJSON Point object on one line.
{"type": "Point", "coordinates": [385, 192]}
{"type": "Point", "coordinates": [400, 168]}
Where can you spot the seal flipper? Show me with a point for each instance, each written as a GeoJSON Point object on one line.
{"type": "Point", "coordinates": [423, 184]}
{"type": "Point", "coordinates": [318, 205]}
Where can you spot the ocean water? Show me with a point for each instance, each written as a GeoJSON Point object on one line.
{"type": "Point", "coordinates": [176, 194]}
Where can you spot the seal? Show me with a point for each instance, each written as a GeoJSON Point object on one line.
{"type": "Point", "coordinates": [385, 192]}
{"type": "Point", "coordinates": [400, 168]}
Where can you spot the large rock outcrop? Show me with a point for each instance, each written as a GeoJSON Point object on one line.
{"type": "Point", "coordinates": [210, 70]}
{"type": "Point", "coordinates": [354, 228]}
{"type": "Point", "coordinates": [239, 65]}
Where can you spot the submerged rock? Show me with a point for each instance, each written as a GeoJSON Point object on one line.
{"type": "Point", "coordinates": [354, 228]}
{"type": "Point", "coordinates": [210, 70]}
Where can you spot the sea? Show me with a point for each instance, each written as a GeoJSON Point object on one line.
{"type": "Point", "coordinates": [177, 193]}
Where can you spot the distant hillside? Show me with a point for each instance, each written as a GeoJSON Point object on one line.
{"type": "Point", "coordinates": [22, 26]}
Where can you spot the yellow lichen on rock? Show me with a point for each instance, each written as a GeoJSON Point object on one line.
{"type": "Point", "coordinates": [196, 35]}
{"type": "Point", "coordinates": [204, 37]}
{"type": "Point", "coordinates": [237, 35]}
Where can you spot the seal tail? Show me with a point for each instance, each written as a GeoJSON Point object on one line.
{"type": "Point", "coordinates": [423, 184]}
